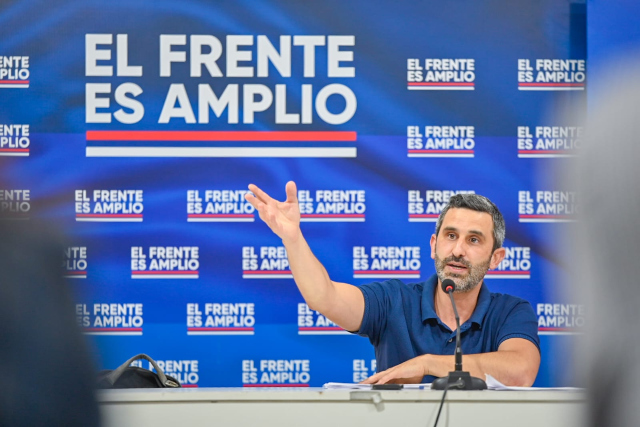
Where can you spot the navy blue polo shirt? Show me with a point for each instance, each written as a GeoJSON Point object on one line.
{"type": "Point", "coordinates": [401, 322]}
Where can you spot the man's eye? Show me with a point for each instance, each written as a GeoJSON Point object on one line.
{"type": "Point", "coordinates": [474, 240]}
{"type": "Point", "coordinates": [451, 236]}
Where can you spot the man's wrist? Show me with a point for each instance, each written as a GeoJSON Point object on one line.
{"type": "Point", "coordinates": [426, 362]}
{"type": "Point", "coordinates": [294, 240]}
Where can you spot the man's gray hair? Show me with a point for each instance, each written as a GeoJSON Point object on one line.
{"type": "Point", "coordinates": [477, 203]}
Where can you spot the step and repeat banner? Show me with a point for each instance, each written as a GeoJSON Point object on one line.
{"type": "Point", "coordinates": [136, 127]}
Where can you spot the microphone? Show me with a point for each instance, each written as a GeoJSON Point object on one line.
{"type": "Point", "coordinates": [458, 378]}
{"type": "Point", "coordinates": [448, 285]}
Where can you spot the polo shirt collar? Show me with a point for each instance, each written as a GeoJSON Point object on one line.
{"type": "Point", "coordinates": [429, 311]}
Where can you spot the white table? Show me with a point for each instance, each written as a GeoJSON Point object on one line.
{"type": "Point", "coordinates": [332, 408]}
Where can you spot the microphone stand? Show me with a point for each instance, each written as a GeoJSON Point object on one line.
{"type": "Point", "coordinates": [458, 379]}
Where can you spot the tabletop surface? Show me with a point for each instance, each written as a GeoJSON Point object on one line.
{"type": "Point", "coordinates": [320, 394]}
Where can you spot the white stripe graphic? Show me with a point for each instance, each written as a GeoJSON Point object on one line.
{"type": "Point", "coordinates": [440, 155]}
{"type": "Point", "coordinates": [109, 219]}
{"type": "Point", "coordinates": [221, 151]}
{"type": "Point", "coordinates": [549, 88]}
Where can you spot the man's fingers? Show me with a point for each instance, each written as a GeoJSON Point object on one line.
{"type": "Point", "coordinates": [292, 192]}
{"type": "Point", "coordinates": [373, 379]}
{"type": "Point", "coordinates": [385, 379]}
{"type": "Point", "coordinates": [370, 380]}
{"type": "Point", "coordinates": [255, 202]}
{"type": "Point", "coordinates": [261, 195]}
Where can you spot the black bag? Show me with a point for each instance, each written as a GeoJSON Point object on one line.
{"type": "Point", "coordinates": [134, 377]}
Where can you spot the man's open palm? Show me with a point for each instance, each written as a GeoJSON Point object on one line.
{"type": "Point", "coordinates": [282, 217]}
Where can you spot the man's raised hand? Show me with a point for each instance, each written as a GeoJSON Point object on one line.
{"type": "Point", "coordinates": [282, 217]}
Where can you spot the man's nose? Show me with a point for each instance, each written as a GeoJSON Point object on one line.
{"type": "Point", "coordinates": [460, 248]}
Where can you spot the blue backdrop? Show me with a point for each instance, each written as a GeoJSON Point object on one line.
{"type": "Point", "coordinates": [136, 126]}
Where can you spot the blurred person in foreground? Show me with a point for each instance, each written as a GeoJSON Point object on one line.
{"type": "Point", "coordinates": [47, 375]}
{"type": "Point", "coordinates": [607, 247]}
{"type": "Point", "coordinates": [412, 327]}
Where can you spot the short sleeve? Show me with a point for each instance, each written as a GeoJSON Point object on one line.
{"type": "Point", "coordinates": [521, 322]}
{"type": "Point", "coordinates": [377, 296]}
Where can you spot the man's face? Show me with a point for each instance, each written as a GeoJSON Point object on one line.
{"type": "Point", "coordinates": [463, 248]}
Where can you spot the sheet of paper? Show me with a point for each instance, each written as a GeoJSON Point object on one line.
{"type": "Point", "coordinates": [355, 386]}
{"type": "Point", "coordinates": [494, 384]}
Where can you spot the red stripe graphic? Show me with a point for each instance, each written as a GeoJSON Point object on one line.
{"type": "Point", "coordinates": [546, 151]}
{"type": "Point", "coordinates": [267, 272]}
{"type": "Point", "coordinates": [424, 215]}
{"type": "Point", "coordinates": [75, 273]}
{"type": "Point", "coordinates": [12, 82]}
{"type": "Point", "coordinates": [386, 272]}
{"type": "Point", "coordinates": [321, 328]}
{"type": "Point", "coordinates": [439, 84]}
{"type": "Point", "coordinates": [108, 215]}
{"type": "Point", "coordinates": [220, 215]}
{"type": "Point", "coordinates": [332, 216]}
{"type": "Point", "coordinates": [151, 135]}
{"type": "Point", "coordinates": [442, 151]}
{"type": "Point", "coordinates": [218, 329]}
{"type": "Point", "coordinates": [552, 84]}
{"type": "Point", "coordinates": [189, 385]}
{"type": "Point", "coordinates": [558, 329]}
{"type": "Point", "coordinates": [549, 216]}
{"type": "Point", "coordinates": [508, 272]}
{"type": "Point", "coordinates": [275, 385]}
{"type": "Point", "coordinates": [14, 150]}
{"type": "Point", "coordinates": [113, 329]}
{"type": "Point", "coordinates": [163, 272]}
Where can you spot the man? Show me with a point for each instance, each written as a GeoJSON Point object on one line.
{"type": "Point", "coordinates": [413, 327]}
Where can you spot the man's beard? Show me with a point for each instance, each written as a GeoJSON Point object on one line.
{"type": "Point", "coordinates": [464, 284]}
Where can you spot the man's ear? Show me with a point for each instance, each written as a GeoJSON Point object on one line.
{"type": "Point", "coordinates": [433, 246]}
{"type": "Point", "coordinates": [496, 258]}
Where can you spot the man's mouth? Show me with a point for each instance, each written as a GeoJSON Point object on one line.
{"type": "Point", "coordinates": [457, 267]}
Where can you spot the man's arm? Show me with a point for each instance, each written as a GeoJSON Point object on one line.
{"type": "Point", "coordinates": [515, 363]}
{"type": "Point", "coordinates": [341, 303]}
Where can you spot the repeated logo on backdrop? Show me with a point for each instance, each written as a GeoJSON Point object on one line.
{"type": "Point", "coordinates": [111, 318]}
{"type": "Point", "coordinates": [265, 262]}
{"type": "Point", "coordinates": [15, 204]}
{"type": "Point", "coordinates": [515, 265]}
{"type": "Point", "coordinates": [551, 74]}
{"type": "Point", "coordinates": [109, 205]}
{"type": "Point", "coordinates": [386, 262]}
{"type": "Point", "coordinates": [276, 373]}
{"type": "Point", "coordinates": [441, 141]}
{"type": "Point", "coordinates": [75, 262]}
{"type": "Point", "coordinates": [165, 262]}
{"type": "Point", "coordinates": [332, 205]}
{"type": "Point", "coordinates": [548, 141]}
{"type": "Point", "coordinates": [15, 140]}
{"type": "Point", "coordinates": [441, 74]}
{"type": "Point", "coordinates": [560, 319]}
{"type": "Point", "coordinates": [547, 206]}
{"type": "Point", "coordinates": [221, 318]}
{"type": "Point", "coordinates": [219, 206]}
{"type": "Point", "coordinates": [14, 72]}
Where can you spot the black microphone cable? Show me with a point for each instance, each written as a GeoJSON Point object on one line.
{"type": "Point", "coordinates": [458, 384]}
